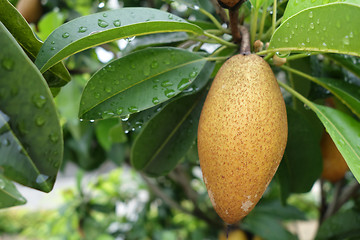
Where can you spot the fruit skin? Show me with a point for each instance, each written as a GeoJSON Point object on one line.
{"type": "Point", "coordinates": [229, 3]}
{"type": "Point", "coordinates": [234, 235]}
{"type": "Point", "coordinates": [242, 135]}
{"type": "Point", "coordinates": [334, 165]}
{"type": "Point", "coordinates": [30, 9]}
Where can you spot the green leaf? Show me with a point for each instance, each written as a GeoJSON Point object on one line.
{"type": "Point", "coordinates": [109, 131]}
{"type": "Point", "coordinates": [139, 81]}
{"type": "Point", "coordinates": [313, 30]}
{"type": "Point", "coordinates": [293, 6]}
{"type": "Point", "coordinates": [343, 225]}
{"type": "Point", "coordinates": [348, 93]}
{"type": "Point", "coordinates": [302, 162]}
{"type": "Point", "coordinates": [167, 137]}
{"type": "Point", "coordinates": [99, 28]}
{"type": "Point", "coordinates": [31, 137]}
{"type": "Point", "coordinates": [9, 195]}
{"type": "Point", "coordinates": [57, 76]}
{"type": "Point", "coordinates": [351, 63]}
{"type": "Point", "coordinates": [49, 22]}
{"type": "Point", "coordinates": [343, 129]}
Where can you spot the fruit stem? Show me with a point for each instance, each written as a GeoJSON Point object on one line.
{"type": "Point", "coordinates": [212, 18]}
{"type": "Point", "coordinates": [245, 41]}
{"type": "Point", "coordinates": [274, 17]}
{"type": "Point", "coordinates": [234, 24]}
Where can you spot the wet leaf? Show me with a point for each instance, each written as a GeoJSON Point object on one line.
{"type": "Point", "coordinates": [313, 30]}
{"type": "Point", "coordinates": [166, 138]}
{"type": "Point", "coordinates": [9, 195]}
{"type": "Point", "coordinates": [139, 81]}
{"type": "Point", "coordinates": [30, 134]}
{"type": "Point", "coordinates": [57, 76]}
{"type": "Point", "coordinates": [295, 6]}
{"type": "Point", "coordinates": [95, 29]}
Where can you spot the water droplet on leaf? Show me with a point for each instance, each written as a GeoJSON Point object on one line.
{"type": "Point", "coordinates": [82, 29]}
{"type": "Point", "coordinates": [346, 40]}
{"type": "Point", "coordinates": [40, 121]}
{"type": "Point", "coordinates": [166, 83]}
{"type": "Point", "coordinates": [311, 14]}
{"type": "Point", "coordinates": [65, 35]}
{"type": "Point", "coordinates": [184, 83]}
{"type": "Point", "coordinates": [41, 178]}
{"type": "Point", "coordinates": [119, 111]}
{"type": "Point", "coordinates": [169, 93]}
{"type": "Point", "coordinates": [133, 109]}
{"type": "Point", "coordinates": [102, 23]}
{"type": "Point", "coordinates": [39, 100]}
{"type": "Point", "coordinates": [117, 23]}
{"type": "Point", "coordinates": [7, 64]}
{"type": "Point", "coordinates": [107, 114]}
{"type": "Point", "coordinates": [154, 64]}
{"type": "Point", "coordinates": [54, 137]}
{"type": "Point", "coordinates": [155, 100]}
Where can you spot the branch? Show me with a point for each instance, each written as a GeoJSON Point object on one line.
{"type": "Point", "coordinates": [234, 24]}
{"type": "Point", "coordinates": [220, 11]}
{"type": "Point", "coordinates": [245, 41]}
{"type": "Point", "coordinates": [332, 206]}
{"type": "Point", "coordinates": [348, 193]}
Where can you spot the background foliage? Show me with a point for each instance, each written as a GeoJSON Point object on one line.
{"type": "Point", "coordinates": [93, 82]}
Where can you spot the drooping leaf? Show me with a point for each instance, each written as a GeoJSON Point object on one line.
{"type": "Point", "coordinates": [343, 225]}
{"type": "Point", "coordinates": [57, 76]}
{"type": "Point", "coordinates": [313, 30]}
{"type": "Point", "coordinates": [343, 129]}
{"type": "Point", "coordinates": [167, 137]}
{"type": "Point", "coordinates": [31, 137]}
{"type": "Point", "coordinates": [99, 28]}
{"type": "Point", "coordinates": [302, 164]}
{"type": "Point", "coordinates": [351, 63]}
{"type": "Point", "coordinates": [9, 195]}
{"type": "Point", "coordinates": [294, 6]}
{"type": "Point", "coordinates": [139, 81]}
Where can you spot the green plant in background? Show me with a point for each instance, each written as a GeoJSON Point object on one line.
{"type": "Point", "coordinates": [60, 103]}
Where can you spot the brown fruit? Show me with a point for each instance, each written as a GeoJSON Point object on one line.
{"type": "Point", "coordinates": [30, 9]}
{"type": "Point", "coordinates": [229, 3]}
{"type": "Point", "coordinates": [234, 235]}
{"type": "Point", "coordinates": [334, 165]}
{"type": "Point", "coordinates": [242, 135]}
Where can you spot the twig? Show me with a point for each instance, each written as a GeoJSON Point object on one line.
{"type": "Point", "coordinates": [331, 209]}
{"type": "Point", "coordinates": [323, 204]}
{"type": "Point", "coordinates": [234, 24]}
{"type": "Point", "coordinates": [245, 40]}
{"type": "Point", "coordinates": [347, 193]}
{"type": "Point", "coordinates": [220, 11]}
{"type": "Point", "coordinates": [158, 192]}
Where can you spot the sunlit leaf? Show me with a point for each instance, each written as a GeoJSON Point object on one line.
{"type": "Point", "coordinates": [295, 6]}
{"type": "Point", "coordinates": [99, 28]}
{"type": "Point", "coordinates": [314, 30]}
{"type": "Point", "coordinates": [30, 134]}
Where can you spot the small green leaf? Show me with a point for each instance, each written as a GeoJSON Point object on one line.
{"type": "Point", "coordinates": [139, 81]}
{"type": "Point", "coordinates": [57, 76]}
{"type": "Point", "coordinates": [302, 163]}
{"type": "Point", "coordinates": [343, 225]}
{"type": "Point", "coordinates": [49, 22]}
{"type": "Point", "coordinates": [343, 129]}
{"type": "Point", "coordinates": [168, 136]}
{"type": "Point", "coordinates": [31, 137]}
{"type": "Point", "coordinates": [9, 195]}
{"type": "Point", "coordinates": [95, 29]}
{"type": "Point", "coordinates": [313, 30]}
{"type": "Point", "coordinates": [293, 6]}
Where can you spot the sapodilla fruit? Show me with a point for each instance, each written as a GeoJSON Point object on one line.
{"type": "Point", "coordinates": [242, 135]}
{"type": "Point", "coordinates": [229, 3]}
{"type": "Point", "coordinates": [334, 165]}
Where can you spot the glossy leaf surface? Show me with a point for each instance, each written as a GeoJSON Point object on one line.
{"type": "Point", "coordinates": [139, 81]}
{"type": "Point", "coordinates": [58, 75]}
{"type": "Point", "coordinates": [9, 195]}
{"type": "Point", "coordinates": [168, 136]}
{"type": "Point", "coordinates": [313, 30]}
{"type": "Point", "coordinates": [99, 28]}
{"type": "Point", "coordinates": [31, 136]}
{"type": "Point", "coordinates": [295, 6]}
